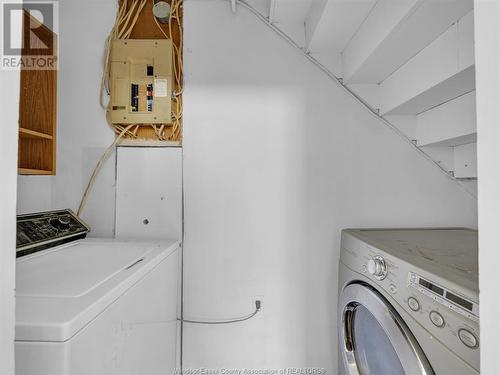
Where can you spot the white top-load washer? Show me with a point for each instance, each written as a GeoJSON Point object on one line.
{"type": "Point", "coordinates": [96, 307]}
{"type": "Point", "coordinates": [408, 302]}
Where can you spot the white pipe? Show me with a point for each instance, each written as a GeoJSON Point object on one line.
{"type": "Point", "coordinates": [272, 11]}
{"type": "Point", "coordinates": [233, 6]}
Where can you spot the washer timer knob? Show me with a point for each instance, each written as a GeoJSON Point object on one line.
{"type": "Point", "coordinates": [61, 222]}
{"type": "Point", "coordinates": [377, 267]}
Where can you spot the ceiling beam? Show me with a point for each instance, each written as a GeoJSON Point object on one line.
{"type": "Point", "coordinates": [442, 71]}
{"type": "Point", "coordinates": [330, 24]}
{"type": "Point", "coordinates": [394, 32]}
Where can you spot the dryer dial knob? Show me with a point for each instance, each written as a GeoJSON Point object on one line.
{"type": "Point", "coordinates": [377, 267]}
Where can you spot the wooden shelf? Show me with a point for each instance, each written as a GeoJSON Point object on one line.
{"type": "Point", "coordinates": [28, 133]}
{"type": "Point", "coordinates": [33, 171]}
{"type": "Point", "coordinates": [37, 108]}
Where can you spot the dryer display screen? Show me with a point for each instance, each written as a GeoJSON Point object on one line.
{"type": "Point", "coordinates": [459, 301]}
{"type": "Point", "coordinates": [431, 286]}
{"type": "Point", "coordinates": [444, 296]}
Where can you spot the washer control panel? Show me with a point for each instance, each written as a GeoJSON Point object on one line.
{"type": "Point", "coordinates": [40, 231]}
{"type": "Point", "coordinates": [451, 300]}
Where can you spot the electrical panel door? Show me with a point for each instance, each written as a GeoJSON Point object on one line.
{"type": "Point", "coordinates": [141, 81]}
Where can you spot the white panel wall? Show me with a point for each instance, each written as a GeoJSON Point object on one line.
{"type": "Point", "coordinates": [452, 123]}
{"type": "Point", "coordinates": [9, 89]}
{"type": "Point", "coordinates": [487, 28]}
{"type": "Point", "coordinates": [277, 160]}
{"type": "Point", "coordinates": [149, 192]}
{"type": "Point", "coordinates": [465, 160]}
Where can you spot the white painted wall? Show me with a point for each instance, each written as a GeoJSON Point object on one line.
{"type": "Point", "coordinates": [9, 87]}
{"type": "Point", "coordinates": [465, 160]}
{"type": "Point", "coordinates": [277, 160]}
{"type": "Point", "coordinates": [149, 192]}
{"type": "Point", "coordinates": [82, 131]}
{"type": "Point", "coordinates": [487, 29]}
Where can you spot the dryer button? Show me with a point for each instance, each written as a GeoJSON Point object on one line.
{"type": "Point", "coordinates": [468, 338]}
{"type": "Point", "coordinates": [436, 319]}
{"type": "Point", "coordinates": [413, 304]}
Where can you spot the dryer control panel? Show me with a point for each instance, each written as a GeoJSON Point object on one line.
{"type": "Point", "coordinates": [40, 231]}
{"type": "Point", "coordinates": [452, 300]}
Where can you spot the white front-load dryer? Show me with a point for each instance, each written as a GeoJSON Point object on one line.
{"type": "Point", "coordinates": [408, 302]}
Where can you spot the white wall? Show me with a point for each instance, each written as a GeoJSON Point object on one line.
{"type": "Point", "coordinates": [487, 28]}
{"type": "Point", "coordinates": [82, 131]}
{"type": "Point", "coordinates": [9, 89]}
{"type": "Point", "coordinates": [277, 160]}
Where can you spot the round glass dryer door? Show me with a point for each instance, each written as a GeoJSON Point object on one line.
{"type": "Point", "coordinates": [374, 340]}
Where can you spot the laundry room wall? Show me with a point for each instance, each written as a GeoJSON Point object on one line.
{"type": "Point", "coordinates": [8, 171]}
{"type": "Point", "coordinates": [277, 160]}
{"type": "Point", "coordinates": [488, 112]}
{"type": "Point", "coordinates": [82, 131]}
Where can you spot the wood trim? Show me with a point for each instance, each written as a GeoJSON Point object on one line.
{"type": "Point", "coordinates": [27, 133]}
{"type": "Point", "coordinates": [28, 171]}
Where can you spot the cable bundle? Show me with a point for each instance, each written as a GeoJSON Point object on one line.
{"type": "Point", "coordinates": [178, 68]}
{"type": "Point", "coordinates": [126, 19]}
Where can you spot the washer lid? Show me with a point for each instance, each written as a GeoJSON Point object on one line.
{"type": "Point", "coordinates": [59, 291]}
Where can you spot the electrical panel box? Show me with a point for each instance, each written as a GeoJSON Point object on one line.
{"type": "Point", "coordinates": [141, 81]}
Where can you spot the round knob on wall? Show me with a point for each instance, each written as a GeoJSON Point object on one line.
{"type": "Point", "coordinates": [377, 267]}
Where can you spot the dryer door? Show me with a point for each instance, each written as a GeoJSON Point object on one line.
{"type": "Point", "coordinates": [374, 339]}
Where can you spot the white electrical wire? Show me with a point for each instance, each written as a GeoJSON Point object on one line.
{"type": "Point", "coordinates": [126, 19]}
{"type": "Point", "coordinates": [351, 93]}
{"type": "Point", "coordinates": [98, 166]}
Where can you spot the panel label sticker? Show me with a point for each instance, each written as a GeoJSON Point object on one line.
{"type": "Point", "coordinates": [161, 87]}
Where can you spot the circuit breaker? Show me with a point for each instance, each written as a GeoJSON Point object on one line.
{"type": "Point", "coordinates": [141, 81]}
